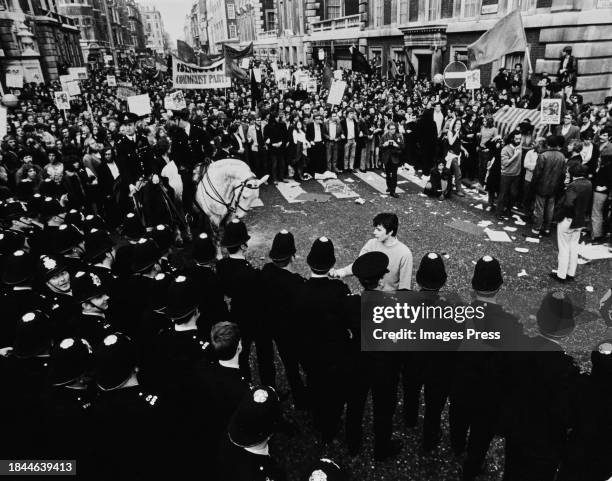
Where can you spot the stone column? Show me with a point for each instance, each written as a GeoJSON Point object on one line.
{"type": "Point", "coordinates": [47, 46]}
{"type": "Point", "coordinates": [436, 62]}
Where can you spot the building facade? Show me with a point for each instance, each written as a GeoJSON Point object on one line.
{"type": "Point", "coordinates": [432, 33]}
{"type": "Point", "coordinates": [257, 22]}
{"type": "Point", "coordinates": [37, 42]}
{"type": "Point", "coordinates": [153, 25]}
{"type": "Point", "coordinates": [221, 21]}
{"type": "Point", "coordinates": [291, 30]}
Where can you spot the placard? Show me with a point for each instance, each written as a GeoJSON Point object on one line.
{"type": "Point", "coordinates": [62, 100]}
{"type": "Point", "coordinates": [108, 58]}
{"type": "Point", "coordinates": [550, 111]}
{"type": "Point", "coordinates": [187, 76]}
{"type": "Point", "coordinates": [78, 73]}
{"type": "Point", "coordinates": [283, 77]}
{"type": "Point", "coordinates": [338, 74]}
{"type": "Point", "coordinates": [244, 62]}
{"type": "Point", "coordinates": [14, 80]}
{"type": "Point", "coordinates": [336, 92]}
{"type": "Point", "coordinates": [321, 54]}
{"type": "Point", "coordinates": [311, 86]}
{"type": "Point", "coordinates": [73, 88]}
{"type": "Point", "coordinates": [111, 80]}
{"type": "Point", "coordinates": [124, 92]}
{"type": "Point", "coordinates": [139, 104]}
{"type": "Point", "coordinates": [3, 121]}
{"type": "Point", "coordinates": [257, 74]}
{"type": "Point", "coordinates": [175, 101]}
{"type": "Point", "coordinates": [472, 79]}
{"type": "Point", "coordinates": [301, 78]}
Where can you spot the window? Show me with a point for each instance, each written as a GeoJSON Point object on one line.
{"type": "Point", "coordinates": [433, 9]}
{"type": "Point", "coordinates": [466, 8]}
{"type": "Point", "coordinates": [231, 11]}
{"type": "Point", "coordinates": [334, 9]}
{"type": "Point", "coordinates": [270, 20]}
{"type": "Point", "coordinates": [232, 31]}
{"type": "Point", "coordinates": [378, 12]}
{"type": "Point", "coordinates": [404, 11]}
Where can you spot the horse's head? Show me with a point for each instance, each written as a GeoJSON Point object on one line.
{"type": "Point", "coordinates": [246, 193]}
{"type": "Point", "coordinates": [227, 190]}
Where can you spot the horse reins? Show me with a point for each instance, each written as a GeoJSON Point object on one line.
{"type": "Point", "coordinates": [234, 203]}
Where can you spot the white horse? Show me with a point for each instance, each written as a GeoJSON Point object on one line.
{"type": "Point", "coordinates": [227, 191]}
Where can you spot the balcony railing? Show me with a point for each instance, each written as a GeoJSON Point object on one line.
{"type": "Point", "coordinates": [340, 23]}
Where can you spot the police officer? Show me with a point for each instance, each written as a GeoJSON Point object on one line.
{"type": "Point", "coordinates": [67, 241]}
{"type": "Point", "coordinates": [377, 372]}
{"type": "Point", "coordinates": [203, 273]}
{"type": "Point", "coordinates": [241, 283]}
{"type": "Point", "coordinates": [69, 400]}
{"type": "Point", "coordinates": [128, 423]}
{"type": "Point", "coordinates": [100, 255]}
{"type": "Point", "coordinates": [323, 336]}
{"type": "Point", "coordinates": [586, 456]}
{"type": "Point", "coordinates": [541, 397]}
{"type": "Point", "coordinates": [17, 296]}
{"type": "Point", "coordinates": [244, 453]}
{"type": "Point", "coordinates": [431, 369]}
{"type": "Point", "coordinates": [91, 293]}
{"type": "Point", "coordinates": [130, 160]}
{"type": "Point", "coordinates": [52, 280]}
{"type": "Point", "coordinates": [280, 286]}
{"type": "Point", "coordinates": [23, 374]}
{"type": "Point", "coordinates": [325, 469]}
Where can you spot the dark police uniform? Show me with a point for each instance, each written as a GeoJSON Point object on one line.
{"type": "Point", "coordinates": [238, 464]}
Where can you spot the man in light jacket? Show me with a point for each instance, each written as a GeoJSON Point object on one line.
{"type": "Point", "coordinates": [510, 174]}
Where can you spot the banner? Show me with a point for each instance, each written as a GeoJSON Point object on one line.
{"type": "Point", "coordinates": [336, 92]}
{"type": "Point", "coordinates": [187, 76]}
{"type": "Point", "coordinates": [175, 101]}
{"type": "Point", "coordinates": [301, 78]}
{"type": "Point", "coordinates": [62, 100]}
{"type": "Point", "coordinates": [139, 104]}
{"type": "Point", "coordinates": [111, 80]}
{"type": "Point", "coordinates": [550, 111]}
{"type": "Point", "coordinates": [78, 73]}
{"type": "Point", "coordinates": [73, 88]}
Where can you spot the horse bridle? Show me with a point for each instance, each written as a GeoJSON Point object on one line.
{"type": "Point", "coordinates": [234, 204]}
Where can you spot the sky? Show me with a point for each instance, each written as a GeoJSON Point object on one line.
{"type": "Point", "coordinates": [173, 15]}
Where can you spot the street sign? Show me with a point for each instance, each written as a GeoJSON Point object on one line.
{"type": "Point", "coordinates": [455, 74]}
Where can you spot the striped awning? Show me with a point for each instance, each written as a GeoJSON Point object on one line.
{"type": "Point", "coordinates": [508, 118]}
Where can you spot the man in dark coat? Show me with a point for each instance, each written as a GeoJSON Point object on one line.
{"type": "Point", "coordinates": [130, 159]}
{"type": "Point", "coordinates": [427, 141]}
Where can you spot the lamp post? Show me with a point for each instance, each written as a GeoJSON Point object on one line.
{"type": "Point", "coordinates": [111, 38]}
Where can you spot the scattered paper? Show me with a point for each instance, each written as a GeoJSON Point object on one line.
{"type": "Point", "coordinates": [466, 227]}
{"type": "Point", "coordinates": [533, 240]}
{"type": "Point", "coordinates": [420, 194]}
{"type": "Point", "coordinates": [360, 201]}
{"type": "Point", "coordinates": [519, 222]}
{"type": "Point", "coordinates": [521, 249]}
{"type": "Point", "coordinates": [589, 288]}
{"type": "Point", "coordinates": [325, 175]}
{"type": "Point", "coordinates": [510, 229]}
{"type": "Point", "coordinates": [594, 252]}
{"type": "Point", "coordinates": [348, 179]}
{"type": "Point", "coordinates": [479, 207]}
{"type": "Point", "coordinates": [474, 262]}
{"type": "Point", "coordinates": [498, 235]}
{"type": "Point", "coordinates": [402, 181]}
{"type": "Point", "coordinates": [523, 273]}
{"type": "Point", "coordinates": [484, 223]}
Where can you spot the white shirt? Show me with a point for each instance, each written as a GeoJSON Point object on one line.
{"type": "Point", "coordinates": [439, 120]}
{"type": "Point", "coordinates": [317, 132]}
{"type": "Point", "coordinates": [114, 170]}
{"type": "Point", "coordinates": [350, 129]}
{"type": "Point", "coordinates": [586, 153]}
{"type": "Point", "coordinates": [332, 130]}
{"type": "Point", "coordinates": [252, 136]}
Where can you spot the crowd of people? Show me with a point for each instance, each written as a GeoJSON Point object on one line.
{"type": "Point", "coordinates": [137, 364]}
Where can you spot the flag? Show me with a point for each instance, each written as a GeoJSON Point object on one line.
{"type": "Point", "coordinates": [255, 91]}
{"type": "Point", "coordinates": [411, 69]}
{"type": "Point", "coordinates": [185, 52]}
{"type": "Point", "coordinates": [506, 36]}
{"type": "Point", "coordinates": [392, 69]}
{"type": "Point", "coordinates": [359, 62]}
{"type": "Point", "coordinates": [232, 57]}
{"type": "Point", "coordinates": [328, 77]}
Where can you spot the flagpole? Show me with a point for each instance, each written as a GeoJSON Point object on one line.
{"type": "Point", "coordinates": [526, 71]}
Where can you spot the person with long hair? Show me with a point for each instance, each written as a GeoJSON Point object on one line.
{"type": "Point", "coordinates": [301, 149]}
